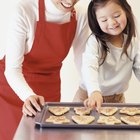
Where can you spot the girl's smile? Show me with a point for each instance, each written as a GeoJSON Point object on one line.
{"type": "Point", "coordinates": [111, 18]}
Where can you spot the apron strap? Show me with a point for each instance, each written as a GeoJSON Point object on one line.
{"type": "Point", "coordinates": [41, 10]}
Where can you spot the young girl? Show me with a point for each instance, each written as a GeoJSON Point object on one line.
{"type": "Point", "coordinates": [111, 54]}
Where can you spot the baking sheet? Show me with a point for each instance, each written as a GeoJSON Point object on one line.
{"type": "Point", "coordinates": [44, 114]}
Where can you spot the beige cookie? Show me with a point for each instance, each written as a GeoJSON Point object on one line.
{"type": "Point", "coordinates": [130, 111]}
{"type": "Point", "coordinates": [131, 120]}
{"type": "Point", "coordinates": [108, 111]}
{"type": "Point", "coordinates": [82, 110]}
{"type": "Point", "coordinates": [83, 119]}
{"type": "Point", "coordinates": [58, 110]}
{"type": "Point", "coordinates": [110, 120]}
{"type": "Point", "coordinates": [58, 119]}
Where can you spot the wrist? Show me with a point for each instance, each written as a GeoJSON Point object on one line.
{"type": "Point", "coordinates": [96, 92]}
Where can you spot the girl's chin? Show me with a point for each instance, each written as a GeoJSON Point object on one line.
{"type": "Point", "coordinates": [115, 33]}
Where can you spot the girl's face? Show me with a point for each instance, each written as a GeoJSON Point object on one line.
{"type": "Point", "coordinates": [64, 5]}
{"type": "Point", "coordinates": [111, 18]}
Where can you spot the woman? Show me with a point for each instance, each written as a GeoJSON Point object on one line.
{"type": "Point", "coordinates": [40, 36]}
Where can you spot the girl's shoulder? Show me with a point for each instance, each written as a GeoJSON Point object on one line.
{"type": "Point", "coordinates": [92, 44]}
{"type": "Point", "coordinates": [134, 47]}
{"type": "Point", "coordinates": [92, 40]}
{"type": "Point", "coordinates": [135, 42]}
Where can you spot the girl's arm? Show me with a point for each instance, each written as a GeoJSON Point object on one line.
{"type": "Point", "coordinates": [90, 71]}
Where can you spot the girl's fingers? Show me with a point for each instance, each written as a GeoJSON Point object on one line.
{"type": "Point", "coordinates": [86, 103]}
{"type": "Point", "coordinates": [98, 106]}
{"type": "Point", "coordinates": [89, 103]}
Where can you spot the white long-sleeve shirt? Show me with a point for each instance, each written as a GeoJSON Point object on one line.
{"type": "Point", "coordinates": [21, 35]}
{"type": "Point", "coordinates": [113, 75]}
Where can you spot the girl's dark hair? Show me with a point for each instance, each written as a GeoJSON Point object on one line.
{"type": "Point", "coordinates": [103, 37]}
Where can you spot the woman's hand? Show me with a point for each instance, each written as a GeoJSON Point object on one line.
{"type": "Point", "coordinates": [33, 104]}
{"type": "Point", "coordinates": [94, 101]}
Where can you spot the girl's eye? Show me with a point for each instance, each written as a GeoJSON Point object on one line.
{"type": "Point", "coordinates": [116, 16]}
{"type": "Point", "coordinates": [104, 20]}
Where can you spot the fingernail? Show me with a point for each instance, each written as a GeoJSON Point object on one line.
{"type": "Point", "coordinates": [39, 109]}
{"type": "Point", "coordinates": [98, 109]}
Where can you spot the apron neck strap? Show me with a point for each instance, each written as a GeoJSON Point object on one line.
{"type": "Point", "coordinates": [41, 10]}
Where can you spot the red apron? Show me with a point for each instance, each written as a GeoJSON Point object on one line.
{"type": "Point", "coordinates": [41, 68]}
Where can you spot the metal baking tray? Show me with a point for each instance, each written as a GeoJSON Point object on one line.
{"type": "Point", "coordinates": [44, 114]}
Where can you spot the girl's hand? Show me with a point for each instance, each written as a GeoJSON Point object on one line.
{"type": "Point", "coordinates": [33, 104]}
{"type": "Point", "coordinates": [94, 101]}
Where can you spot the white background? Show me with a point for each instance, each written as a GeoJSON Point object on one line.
{"type": "Point", "coordinates": [69, 75]}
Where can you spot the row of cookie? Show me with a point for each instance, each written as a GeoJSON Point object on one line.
{"type": "Point", "coordinates": [84, 120]}
{"type": "Point", "coordinates": [108, 111]}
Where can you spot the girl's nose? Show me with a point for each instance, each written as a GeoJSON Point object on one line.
{"type": "Point", "coordinates": [112, 22]}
